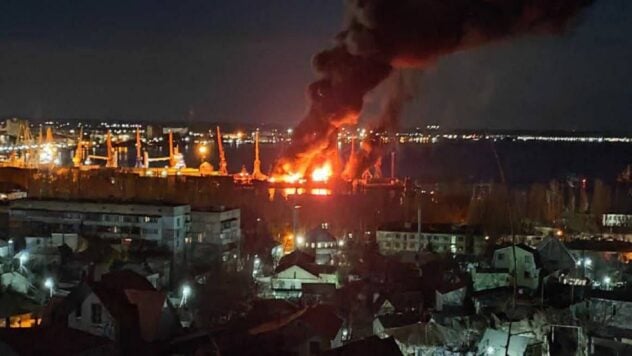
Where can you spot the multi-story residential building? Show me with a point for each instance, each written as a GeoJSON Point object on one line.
{"type": "Point", "coordinates": [219, 227]}
{"type": "Point", "coordinates": [165, 225]}
{"type": "Point", "coordinates": [457, 239]}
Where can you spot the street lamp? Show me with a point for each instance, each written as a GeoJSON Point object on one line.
{"type": "Point", "coordinates": [300, 240]}
{"type": "Point", "coordinates": [606, 281]}
{"type": "Point", "coordinates": [186, 293]}
{"type": "Point", "coordinates": [48, 283]}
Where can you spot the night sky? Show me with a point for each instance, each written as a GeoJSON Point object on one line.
{"type": "Point", "coordinates": [249, 61]}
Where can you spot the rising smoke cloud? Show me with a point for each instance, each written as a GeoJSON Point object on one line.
{"type": "Point", "coordinates": [383, 35]}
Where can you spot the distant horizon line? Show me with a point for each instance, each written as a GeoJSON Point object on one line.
{"type": "Point", "coordinates": [248, 125]}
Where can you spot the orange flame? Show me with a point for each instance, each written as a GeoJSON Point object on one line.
{"type": "Point", "coordinates": [323, 173]}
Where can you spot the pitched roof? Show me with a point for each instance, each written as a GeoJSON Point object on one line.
{"type": "Point", "coordinates": [149, 305]}
{"type": "Point", "coordinates": [267, 309]}
{"type": "Point", "coordinates": [425, 334]}
{"type": "Point", "coordinates": [125, 279]}
{"type": "Point", "coordinates": [372, 345]}
{"type": "Point", "coordinates": [398, 320]}
{"type": "Point", "coordinates": [322, 319]}
{"type": "Point", "coordinates": [296, 257]}
{"type": "Point", "coordinates": [319, 234]}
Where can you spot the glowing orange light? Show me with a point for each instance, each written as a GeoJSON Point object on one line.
{"type": "Point", "coordinates": [322, 174]}
{"type": "Point", "coordinates": [292, 178]}
{"type": "Point", "coordinates": [320, 191]}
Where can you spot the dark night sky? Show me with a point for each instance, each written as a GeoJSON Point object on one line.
{"type": "Point", "coordinates": [249, 61]}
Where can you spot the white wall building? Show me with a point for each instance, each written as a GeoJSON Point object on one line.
{"type": "Point", "coordinates": [526, 265]}
{"type": "Point", "coordinates": [167, 225]}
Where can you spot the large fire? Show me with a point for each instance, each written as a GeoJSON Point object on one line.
{"type": "Point", "coordinates": [323, 173]}
{"type": "Point", "coordinates": [320, 174]}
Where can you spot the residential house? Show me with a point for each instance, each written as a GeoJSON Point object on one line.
{"type": "Point", "coordinates": [123, 306]}
{"type": "Point", "coordinates": [554, 255]}
{"type": "Point", "coordinates": [383, 325]}
{"type": "Point", "coordinates": [309, 331]}
{"type": "Point", "coordinates": [299, 268]}
{"type": "Point", "coordinates": [526, 265]}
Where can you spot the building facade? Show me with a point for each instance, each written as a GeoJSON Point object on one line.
{"type": "Point", "coordinates": [166, 225]}
{"type": "Point", "coordinates": [454, 239]}
{"type": "Point", "coordinates": [527, 264]}
{"type": "Point", "coordinates": [219, 228]}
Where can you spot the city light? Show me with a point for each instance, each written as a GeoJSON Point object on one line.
{"type": "Point", "coordinates": [186, 293]}
{"type": "Point", "coordinates": [300, 240]}
{"type": "Point", "coordinates": [587, 262]}
{"type": "Point", "coordinates": [50, 285]}
{"type": "Point", "coordinates": [490, 350]}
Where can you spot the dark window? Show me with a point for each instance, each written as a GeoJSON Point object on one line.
{"type": "Point", "coordinates": [78, 311]}
{"type": "Point", "coordinates": [96, 313]}
{"type": "Point", "coordinates": [314, 347]}
{"type": "Point", "coordinates": [500, 256]}
{"type": "Point", "coordinates": [527, 275]}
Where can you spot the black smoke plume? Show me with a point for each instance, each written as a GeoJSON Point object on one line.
{"type": "Point", "coordinates": [382, 35]}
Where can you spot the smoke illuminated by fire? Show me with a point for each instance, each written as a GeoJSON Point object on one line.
{"type": "Point", "coordinates": [382, 36]}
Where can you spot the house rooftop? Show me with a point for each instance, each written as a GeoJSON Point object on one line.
{"type": "Point", "coordinates": [322, 319]}
{"type": "Point", "coordinates": [370, 346]}
{"type": "Point", "coordinates": [319, 234]}
{"type": "Point", "coordinates": [389, 321]}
